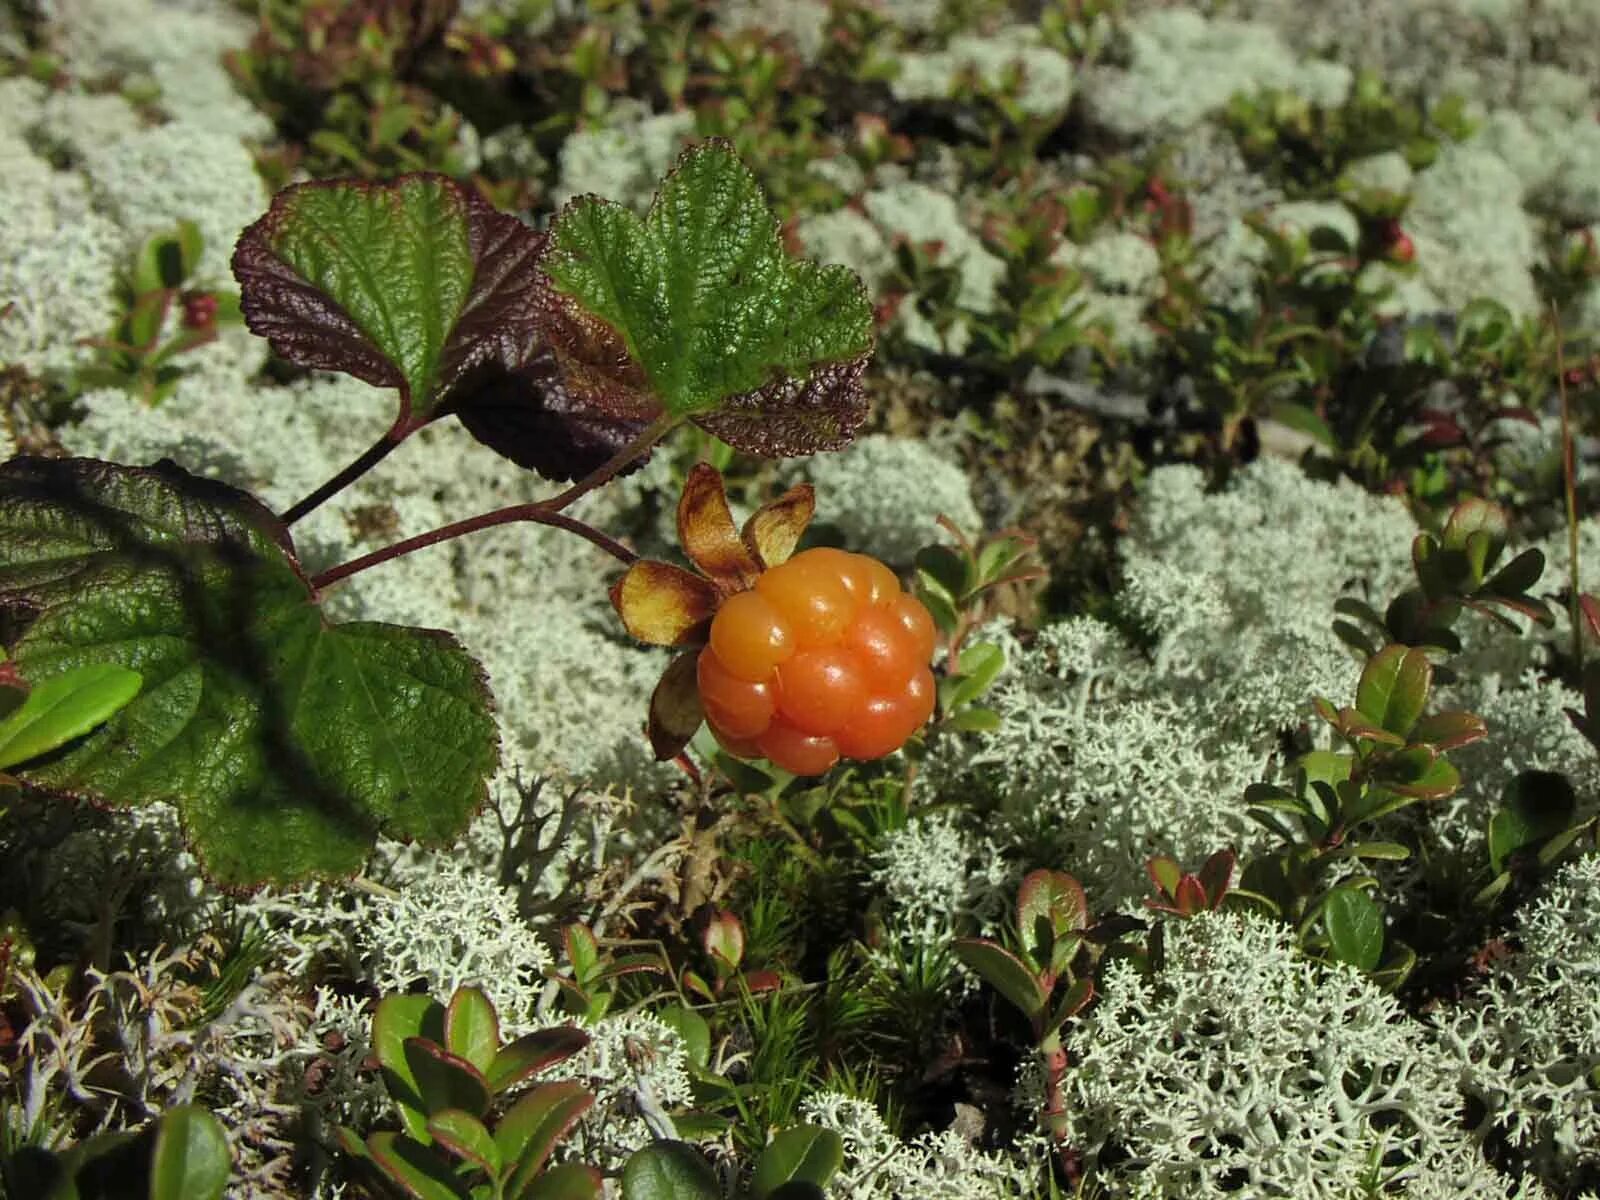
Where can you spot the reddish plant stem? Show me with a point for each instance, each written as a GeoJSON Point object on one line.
{"type": "Point", "coordinates": [1055, 1104]}
{"type": "Point", "coordinates": [369, 458]}
{"type": "Point", "coordinates": [541, 512]}
{"type": "Point", "coordinates": [1569, 468]}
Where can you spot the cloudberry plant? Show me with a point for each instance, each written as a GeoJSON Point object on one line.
{"type": "Point", "coordinates": [800, 659]}
{"type": "Point", "coordinates": [289, 742]}
{"type": "Point", "coordinates": [826, 656]}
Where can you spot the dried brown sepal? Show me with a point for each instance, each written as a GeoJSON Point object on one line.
{"type": "Point", "coordinates": [661, 603]}
{"type": "Point", "coordinates": [774, 529]}
{"type": "Point", "coordinates": [793, 417]}
{"type": "Point", "coordinates": [708, 535]}
{"type": "Point", "coordinates": [675, 709]}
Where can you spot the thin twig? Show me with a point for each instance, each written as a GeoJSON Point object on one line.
{"type": "Point", "coordinates": [1569, 467]}
{"type": "Point", "coordinates": [368, 458]}
{"type": "Point", "coordinates": [541, 512]}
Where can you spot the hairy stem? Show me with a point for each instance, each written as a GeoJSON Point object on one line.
{"type": "Point", "coordinates": [540, 512]}
{"type": "Point", "coordinates": [1056, 1123]}
{"type": "Point", "coordinates": [368, 458]}
{"type": "Point", "coordinates": [1569, 468]}
{"type": "Point", "coordinates": [535, 513]}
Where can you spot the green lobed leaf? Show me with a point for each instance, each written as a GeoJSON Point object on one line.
{"type": "Point", "coordinates": [1355, 927]}
{"type": "Point", "coordinates": [471, 1028]}
{"type": "Point", "coordinates": [191, 1159]}
{"type": "Point", "coordinates": [804, 1153]}
{"type": "Point", "coordinates": [287, 743]}
{"type": "Point", "coordinates": [1394, 688]}
{"type": "Point", "coordinates": [64, 707]}
{"type": "Point", "coordinates": [1004, 972]}
{"type": "Point", "coordinates": [669, 1170]}
{"type": "Point", "coordinates": [717, 321]}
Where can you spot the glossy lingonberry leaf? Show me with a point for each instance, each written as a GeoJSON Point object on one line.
{"type": "Point", "coordinates": [1355, 927]}
{"type": "Point", "coordinates": [1004, 972]}
{"type": "Point", "coordinates": [710, 316]}
{"type": "Point", "coordinates": [1394, 688]}
{"type": "Point", "coordinates": [1534, 806]}
{"type": "Point", "coordinates": [287, 743]}
{"type": "Point", "coordinates": [805, 1154]}
{"type": "Point", "coordinates": [669, 1171]}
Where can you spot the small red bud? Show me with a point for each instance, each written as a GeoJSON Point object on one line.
{"type": "Point", "coordinates": [1402, 249]}
{"type": "Point", "coordinates": [199, 310]}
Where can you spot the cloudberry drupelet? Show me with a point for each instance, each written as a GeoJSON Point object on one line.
{"type": "Point", "coordinates": [824, 657]}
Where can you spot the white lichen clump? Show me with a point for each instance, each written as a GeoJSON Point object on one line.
{"type": "Point", "coordinates": [1012, 57]}
{"type": "Point", "coordinates": [885, 496]}
{"type": "Point", "coordinates": [1241, 1068]}
{"type": "Point", "coordinates": [1529, 1042]}
{"type": "Point", "coordinates": [1107, 755]}
{"type": "Point", "coordinates": [932, 1166]}
{"type": "Point", "coordinates": [637, 1068]}
{"type": "Point", "coordinates": [624, 159]}
{"type": "Point", "coordinates": [1183, 68]}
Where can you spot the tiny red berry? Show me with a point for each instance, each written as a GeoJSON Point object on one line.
{"type": "Point", "coordinates": [199, 310]}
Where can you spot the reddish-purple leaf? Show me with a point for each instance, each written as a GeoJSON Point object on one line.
{"type": "Point", "coordinates": [1216, 875]}
{"type": "Point", "coordinates": [1190, 897]}
{"type": "Point", "coordinates": [791, 417]}
{"type": "Point", "coordinates": [417, 284]}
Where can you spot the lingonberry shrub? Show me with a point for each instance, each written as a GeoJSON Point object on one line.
{"type": "Point", "coordinates": [287, 741]}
